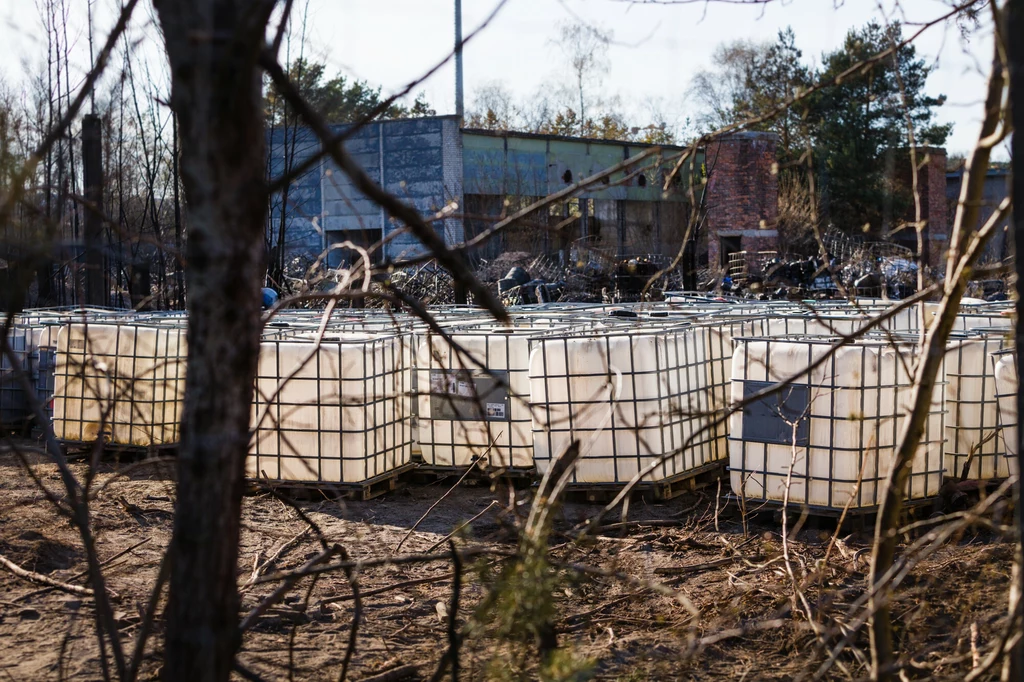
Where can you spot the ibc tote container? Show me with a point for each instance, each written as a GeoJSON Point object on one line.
{"type": "Point", "coordinates": [124, 383]}
{"type": "Point", "coordinates": [630, 396]}
{"type": "Point", "coordinates": [34, 342]}
{"type": "Point", "coordinates": [972, 421]}
{"type": "Point", "coordinates": [719, 334]}
{"type": "Point", "coordinates": [477, 405]}
{"type": "Point", "coordinates": [14, 404]}
{"type": "Point", "coordinates": [43, 359]}
{"type": "Point", "coordinates": [841, 423]}
{"type": "Point", "coordinates": [970, 316]}
{"type": "Point", "coordinates": [1005, 368]}
{"type": "Point", "coordinates": [783, 323]}
{"type": "Point", "coordinates": [333, 412]}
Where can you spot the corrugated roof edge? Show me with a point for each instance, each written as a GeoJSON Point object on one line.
{"type": "Point", "coordinates": [567, 138]}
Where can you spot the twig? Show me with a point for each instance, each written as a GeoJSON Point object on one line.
{"type": "Point", "coordinates": [694, 568]}
{"type": "Point", "coordinates": [304, 608]}
{"type": "Point", "coordinates": [448, 537]}
{"type": "Point", "coordinates": [361, 564]}
{"type": "Point", "coordinates": [575, 618]}
{"type": "Point", "coordinates": [629, 579]}
{"type": "Point", "coordinates": [147, 620]}
{"type": "Point", "coordinates": [619, 525]}
{"type": "Point", "coordinates": [453, 612]}
{"type": "Point", "coordinates": [117, 556]}
{"type": "Point", "coordinates": [357, 613]}
{"type": "Point", "coordinates": [400, 673]}
{"type": "Point", "coordinates": [40, 578]}
{"type": "Point", "coordinates": [438, 501]}
{"type": "Point", "coordinates": [246, 673]}
{"type": "Point", "coordinates": [83, 574]}
{"type": "Point", "coordinates": [387, 588]}
{"type": "Point", "coordinates": [286, 584]}
{"type": "Point", "coordinates": [258, 570]}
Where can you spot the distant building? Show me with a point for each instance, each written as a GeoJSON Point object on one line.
{"type": "Point", "coordinates": [939, 190]}
{"type": "Point", "coordinates": [995, 189]}
{"type": "Point", "coordinates": [743, 195]}
{"type": "Point", "coordinates": [931, 185]}
{"type": "Point", "coordinates": [434, 165]}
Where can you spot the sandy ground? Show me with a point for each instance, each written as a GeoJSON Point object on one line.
{"type": "Point", "coordinates": [612, 626]}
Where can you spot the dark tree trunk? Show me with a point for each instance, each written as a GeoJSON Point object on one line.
{"type": "Point", "coordinates": [213, 46]}
{"type": "Point", "coordinates": [97, 291]}
{"type": "Point", "coordinates": [179, 256]}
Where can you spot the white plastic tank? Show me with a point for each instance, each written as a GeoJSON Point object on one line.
{"type": "Point", "coordinates": [973, 316]}
{"type": "Point", "coordinates": [333, 412]}
{"type": "Point", "coordinates": [630, 398]}
{"type": "Point", "coordinates": [834, 431]}
{"type": "Point", "coordinates": [972, 420]}
{"type": "Point", "coordinates": [476, 406]}
{"type": "Point", "coordinates": [723, 329]}
{"type": "Point", "coordinates": [720, 333]}
{"type": "Point", "coordinates": [1005, 367]}
{"type": "Point", "coordinates": [121, 382]}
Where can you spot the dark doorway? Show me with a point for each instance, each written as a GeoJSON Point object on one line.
{"type": "Point", "coordinates": [346, 257]}
{"type": "Point", "coordinates": [727, 247]}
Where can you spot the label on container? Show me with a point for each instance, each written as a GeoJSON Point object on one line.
{"type": "Point", "coordinates": [469, 395]}
{"type": "Point", "coordinates": [780, 418]}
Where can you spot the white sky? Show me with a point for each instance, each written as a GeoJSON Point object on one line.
{"type": "Point", "coordinates": [657, 47]}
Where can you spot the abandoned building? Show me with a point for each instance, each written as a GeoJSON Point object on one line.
{"type": "Point", "coordinates": [995, 189]}
{"type": "Point", "coordinates": [464, 180]}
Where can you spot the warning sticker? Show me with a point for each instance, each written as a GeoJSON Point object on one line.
{"type": "Point", "coordinates": [465, 395]}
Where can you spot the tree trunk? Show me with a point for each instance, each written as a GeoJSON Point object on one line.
{"type": "Point", "coordinates": [962, 255]}
{"type": "Point", "coordinates": [179, 256]}
{"type": "Point", "coordinates": [213, 48]}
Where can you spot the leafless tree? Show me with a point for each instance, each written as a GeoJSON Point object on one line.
{"type": "Point", "coordinates": [218, 54]}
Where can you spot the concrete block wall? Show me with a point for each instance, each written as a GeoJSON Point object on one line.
{"type": "Point", "coordinates": [414, 160]}
{"type": "Point", "coordinates": [417, 160]}
{"type": "Point", "coordinates": [303, 231]}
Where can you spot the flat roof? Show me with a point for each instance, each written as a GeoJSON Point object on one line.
{"type": "Point", "coordinates": [568, 138]}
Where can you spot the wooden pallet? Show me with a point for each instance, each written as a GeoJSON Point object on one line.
{"type": "Point", "coordinates": [658, 491]}
{"type": "Point", "coordinates": [21, 428]}
{"type": "Point", "coordinates": [79, 450]}
{"type": "Point", "coordinates": [825, 518]}
{"type": "Point", "coordinates": [426, 474]}
{"type": "Point", "coordinates": [313, 490]}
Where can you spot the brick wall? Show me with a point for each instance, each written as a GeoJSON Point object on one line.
{"type": "Point", "coordinates": [743, 192]}
{"type": "Point", "coordinates": [937, 227]}
{"type": "Point", "coordinates": [931, 185]}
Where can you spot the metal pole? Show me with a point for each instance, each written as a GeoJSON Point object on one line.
{"type": "Point", "coordinates": [1015, 54]}
{"type": "Point", "coordinates": [460, 109]}
{"type": "Point", "coordinates": [461, 293]}
{"type": "Point", "coordinates": [96, 291]}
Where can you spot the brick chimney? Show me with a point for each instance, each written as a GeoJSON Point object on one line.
{"type": "Point", "coordinates": [931, 185]}
{"type": "Point", "coordinates": [743, 194]}
{"type": "Point", "coordinates": [934, 207]}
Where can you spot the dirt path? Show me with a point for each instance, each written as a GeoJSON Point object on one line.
{"type": "Point", "coordinates": [615, 627]}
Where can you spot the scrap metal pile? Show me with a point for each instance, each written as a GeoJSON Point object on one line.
{"type": "Point", "coordinates": [848, 267]}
